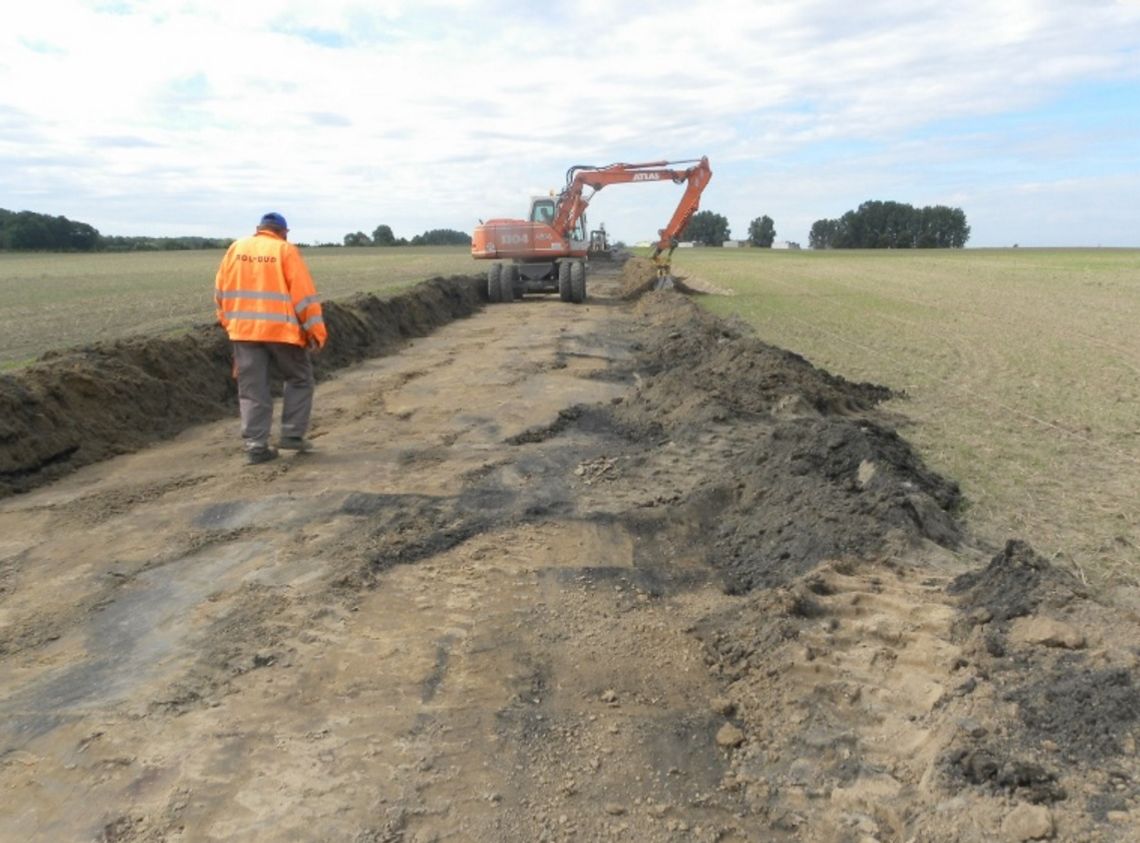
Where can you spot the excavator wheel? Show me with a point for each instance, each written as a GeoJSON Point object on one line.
{"type": "Point", "coordinates": [494, 282]}
{"type": "Point", "coordinates": [577, 282]}
{"type": "Point", "coordinates": [508, 283]}
{"type": "Point", "coordinates": [564, 280]}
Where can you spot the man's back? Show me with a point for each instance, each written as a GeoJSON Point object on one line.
{"type": "Point", "coordinates": [265, 294]}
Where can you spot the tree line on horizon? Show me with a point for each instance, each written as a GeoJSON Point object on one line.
{"type": "Point", "coordinates": [382, 235]}
{"type": "Point", "coordinates": [892, 225]}
{"type": "Point", "coordinates": [874, 225]}
{"type": "Point", "coordinates": [29, 231]}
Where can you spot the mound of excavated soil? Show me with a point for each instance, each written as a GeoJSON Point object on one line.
{"type": "Point", "coordinates": [824, 489]}
{"type": "Point", "coordinates": [639, 276]}
{"type": "Point", "coordinates": [707, 370]}
{"type": "Point", "coordinates": [1064, 669]}
{"type": "Point", "coordinates": [76, 407]}
{"type": "Point", "coordinates": [817, 472]}
{"type": "Point", "coordinates": [1015, 583]}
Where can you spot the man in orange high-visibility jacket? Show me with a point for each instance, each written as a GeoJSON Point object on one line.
{"type": "Point", "coordinates": [268, 305]}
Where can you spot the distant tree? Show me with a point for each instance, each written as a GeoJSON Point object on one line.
{"type": "Point", "coordinates": [708, 228]}
{"type": "Point", "coordinates": [885, 225]}
{"type": "Point", "coordinates": [823, 233]}
{"type": "Point", "coordinates": [383, 236]}
{"type": "Point", "coordinates": [762, 232]}
{"type": "Point", "coordinates": [82, 237]}
{"type": "Point", "coordinates": [29, 231]}
{"type": "Point", "coordinates": [942, 227]}
{"type": "Point", "coordinates": [358, 238]}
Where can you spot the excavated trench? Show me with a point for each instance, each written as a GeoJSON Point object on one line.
{"type": "Point", "coordinates": [869, 680]}
{"type": "Point", "coordinates": [79, 406]}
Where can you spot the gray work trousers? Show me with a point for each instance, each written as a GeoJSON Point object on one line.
{"type": "Point", "coordinates": [255, 401]}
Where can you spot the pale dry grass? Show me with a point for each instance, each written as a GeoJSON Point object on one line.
{"type": "Point", "coordinates": [50, 302]}
{"type": "Point", "coordinates": [1021, 367]}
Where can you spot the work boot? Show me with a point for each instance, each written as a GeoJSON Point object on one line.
{"type": "Point", "coordinates": [256, 456]}
{"type": "Point", "coordinates": [295, 443]}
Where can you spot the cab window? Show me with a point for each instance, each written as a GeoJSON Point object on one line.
{"type": "Point", "coordinates": [542, 211]}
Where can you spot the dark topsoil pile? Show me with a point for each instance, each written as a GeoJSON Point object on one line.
{"type": "Point", "coordinates": [83, 405]}
{"type": "Point", "coordinates": [1067, 736]}
{"type": "Point", "coordinates": [818, 472]}
{"type": "Point", "coordinates": [1061, 694]}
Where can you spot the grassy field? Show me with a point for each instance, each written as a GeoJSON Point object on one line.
{"type": "Point", "coordinates": [1021, 370]}
{"type": "Point", "coordinates": [57, 301]}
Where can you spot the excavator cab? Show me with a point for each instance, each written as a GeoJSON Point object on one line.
{"type": "Point", "coordinates": [543, 209]}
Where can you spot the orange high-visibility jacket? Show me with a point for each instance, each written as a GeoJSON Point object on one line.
{"type": "Point", "coordinates": [264, 293]}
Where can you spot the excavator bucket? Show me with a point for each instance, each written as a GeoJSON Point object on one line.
{"type": "Point", "coordinates": [664, 274]}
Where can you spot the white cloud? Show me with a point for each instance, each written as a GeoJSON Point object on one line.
{"type": "Point", "coordinates": [432, 114]}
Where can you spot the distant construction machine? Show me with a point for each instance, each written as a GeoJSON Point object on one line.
{"type": "Point", "coordinates": [548, 251]}
{"type": "Point", "coordinates": [599, 243]}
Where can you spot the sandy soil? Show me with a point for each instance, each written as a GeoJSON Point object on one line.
{"type": "Point", "coordinates": [617, 571]}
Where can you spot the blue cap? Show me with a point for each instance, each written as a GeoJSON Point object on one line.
{"type": "Point", "coordinates": [275, 219]}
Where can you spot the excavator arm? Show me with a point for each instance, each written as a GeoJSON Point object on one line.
{"type": "Point", "coordinates": [572, 201]}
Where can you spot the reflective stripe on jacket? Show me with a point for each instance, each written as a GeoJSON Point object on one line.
{"type": "Point", "coordinates": [264, 293]}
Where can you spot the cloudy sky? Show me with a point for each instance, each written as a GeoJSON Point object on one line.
{"type": "Point", "coordinates": [179, 117]}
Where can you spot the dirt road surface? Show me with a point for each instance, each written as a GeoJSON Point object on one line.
{"type": "Point", "coordinates": [615, 571]}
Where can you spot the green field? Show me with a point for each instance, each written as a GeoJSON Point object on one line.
{"type": "Point", "coordinates": [1021, 367]}
{"type": "Point", "coordinates": [57, 301]}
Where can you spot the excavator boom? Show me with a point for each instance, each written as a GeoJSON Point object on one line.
{"type": "Point", "coordinates": [573, 200]}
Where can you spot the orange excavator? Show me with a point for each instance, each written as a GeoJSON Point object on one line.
{"type": "Point", "coordinates": [548, 251]}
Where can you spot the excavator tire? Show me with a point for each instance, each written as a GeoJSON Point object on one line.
{"type": "Point", "coordinates": [509, 283]}
{"type": "Point", "coordinates": [577, 282]}
{"type": "Point", "coordinates": [564, 280]}
{"type": "Point", "coordinates": [494, 283]}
